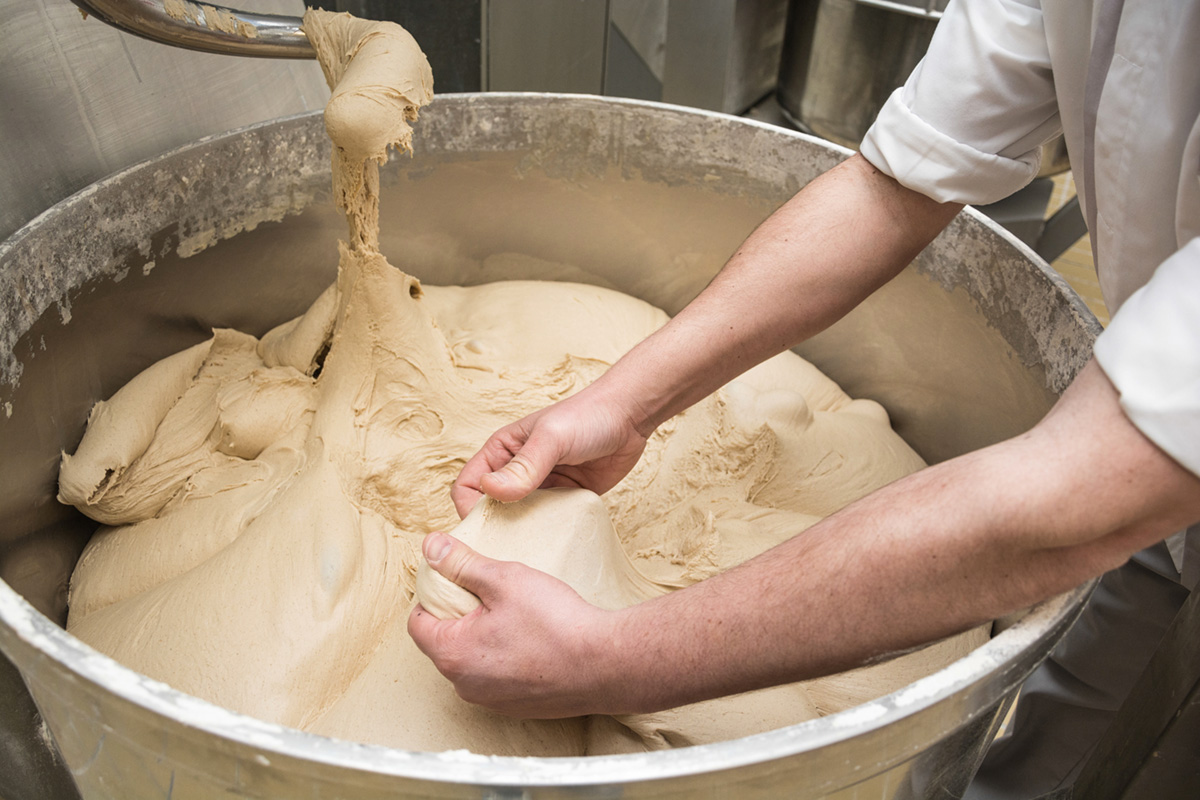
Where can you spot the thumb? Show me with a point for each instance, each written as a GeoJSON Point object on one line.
{"type": "Point", "coordinates": [524, 472]}
{"type": "Point", "coordinates": [454, 577]}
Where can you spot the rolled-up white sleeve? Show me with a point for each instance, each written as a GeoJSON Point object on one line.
{"type": "Point", "coordinates": [969, 123]}
{"type": "Point", "coordinates": [1151, 353]}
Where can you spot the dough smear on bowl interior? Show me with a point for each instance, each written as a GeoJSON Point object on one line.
{"type": "Point", "coordinates": [263, 500]}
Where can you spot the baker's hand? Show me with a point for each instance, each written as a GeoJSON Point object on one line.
{"type": "Point", "coordinates": [533, 649]}
{"type": "Point", "coordinates": [577, 442]}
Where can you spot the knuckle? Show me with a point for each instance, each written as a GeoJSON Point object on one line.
{"type": "Point", "coordinates": [454, 565]}
{"type": "Point", "coordinates": [506, 441]}
{"type": "Point", "coordinates": [467, 692]}
{"type": "Point", "coordinates": [520, 463]}
{"type": "Point", "coordinates": [448, 658]}
{"type": "Point", "coordinates": [452, 669]}
{"type": "Point", "coordinates": [497, 573]}
{"type": "Point", "coordinates": [556, 430]}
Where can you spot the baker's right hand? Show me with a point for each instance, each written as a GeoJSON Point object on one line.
{"type": "Point", "coordinates": [578, 442]}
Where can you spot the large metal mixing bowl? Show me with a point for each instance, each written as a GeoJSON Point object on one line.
{"type": "Point", "coordinates": [970, 345]}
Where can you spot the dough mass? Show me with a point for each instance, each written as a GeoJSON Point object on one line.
{"type": "Point", "coordinates": [263, 500]}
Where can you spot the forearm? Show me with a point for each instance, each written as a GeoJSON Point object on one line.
{"type": "Point", "coordinates": [839, 239]}
{"type": "Point", "coordinates": [934, 554]}
{"type": "Point", "coordinates": [834, 243]}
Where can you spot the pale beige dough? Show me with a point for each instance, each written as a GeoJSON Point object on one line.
{"type": "Point", "coordinates": [579, 547]}
{"type": "Point", "coordinates": [264, 500]}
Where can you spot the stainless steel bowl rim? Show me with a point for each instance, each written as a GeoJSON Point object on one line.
{"type": "Point", "coordinates": [49, 640]}
{"type": "Point", "coordinates": [40, 633]}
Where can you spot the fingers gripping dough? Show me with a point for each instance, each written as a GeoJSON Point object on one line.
{"type": "Point", "coordinates": [565, 532]}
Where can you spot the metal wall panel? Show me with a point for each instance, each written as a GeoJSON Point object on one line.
{"type": "Point", "coordinates": [546, 45]}
{"type": "Point", "coordinates": [449, 32]}
{"type": "Point", "coordinates": [723, 55]}
{"type": "Point", "coordinates": [82, 100]}
{"type": "Point", "coordinates": [637, 49]}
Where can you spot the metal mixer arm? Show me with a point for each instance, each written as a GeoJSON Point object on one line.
{"type": "Point", "coordinates": [206, 27]}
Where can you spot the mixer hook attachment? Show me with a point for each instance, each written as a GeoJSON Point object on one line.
{"type": "Point", "coordinates": [206, 27]}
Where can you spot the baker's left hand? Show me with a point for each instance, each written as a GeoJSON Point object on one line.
{"type": "Point", "coordinates": [533, 649]}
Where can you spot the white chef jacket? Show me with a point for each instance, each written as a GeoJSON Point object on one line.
{"type": "Point", "coordinates": [1000, 78]}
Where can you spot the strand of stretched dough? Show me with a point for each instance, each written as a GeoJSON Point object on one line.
{"type": "Point", "coordinates": [379, 78]}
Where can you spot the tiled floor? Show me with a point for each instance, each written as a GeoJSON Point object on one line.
{"type": "Point", "coordinates": [1076, 263]}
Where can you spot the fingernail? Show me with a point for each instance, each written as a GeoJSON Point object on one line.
{"type": "Point", "coordinates": [436, 547]}
{"type": "Point", "coordinates": [500, 476]}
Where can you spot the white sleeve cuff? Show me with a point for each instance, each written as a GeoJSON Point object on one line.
{"type": "Point", "coordinates": [923, 159]}
{"type": "Point", "coordinates": [1151, 353]}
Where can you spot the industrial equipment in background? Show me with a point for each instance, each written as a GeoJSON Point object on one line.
{"type": "Point", "coordinates": [822, 66]}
